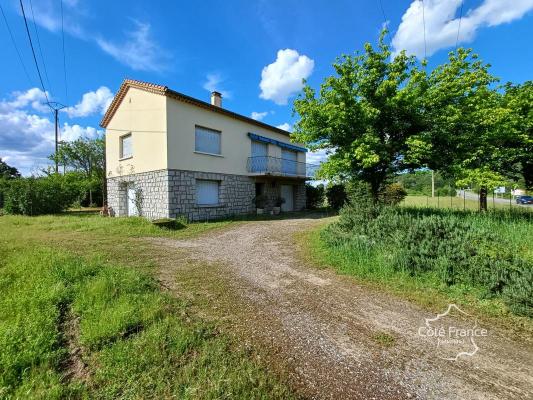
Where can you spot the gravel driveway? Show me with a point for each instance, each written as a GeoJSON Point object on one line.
{"type": "Point", "coordinates": [336, 339]}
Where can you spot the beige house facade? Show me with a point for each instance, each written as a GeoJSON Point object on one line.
{"type": "Point", "coordinates": [168, 154]}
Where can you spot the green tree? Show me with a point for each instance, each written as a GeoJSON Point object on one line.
{"type": "Point", "coordinates": [365, 115]}
{"type": "Point", "coordinates": [466, 123]}
{"type": "Point", "coordinates": [87, 157]}
{"type": "Point", "coordinates": [517, 146]}
{"type": "Point", "coordinates": [8, 172]}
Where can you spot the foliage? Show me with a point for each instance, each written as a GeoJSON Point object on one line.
{"type": "Point", "coordinates": [418, 183]}
{"type": "Point", "coordinates": [8, 172]}
{"type": "Point", "coordinates": [259, 201]}
{"type": "Point", "coordinates": [314, 195]}
{"type": "Point", "coordinates": [449, 248]}
{"type": "Point", "coordinates": [365, 115]}
{"type": "Point", "coordinates": [86, 157]}
{"type": "Point", "coordinates": [279, 201]}
{"type": "Point", "coordinates": [393, 194]}
{"type": "Point", "coordinates": [44, 195]}
{"type": "Point", "coordinates": [336, 195]}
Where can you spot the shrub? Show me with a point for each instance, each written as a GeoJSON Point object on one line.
{"type": "Point", "coordinates": [259, 201]}
{"type": "Point", "coordinates": [314, 196]}
{"type": "Point", "coordinates": [454, 248]}
{"type": "Point", "coordinates": [35, 196]}
{"type": "Point", "coordinates": [336, 195]}
{"type": "Point", "coordinates": [393, 194]}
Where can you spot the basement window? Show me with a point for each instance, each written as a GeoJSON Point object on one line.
{"type": "Point", "coordinates": [207, 192]}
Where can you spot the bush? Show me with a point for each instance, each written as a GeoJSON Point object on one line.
{"type": "Point", "coordinates": [35, 196]}
{"type": "Point", "coordinates": [314, 196]}
{"type": "Point", "coordinates": [336, 195]}
{"type": "Point", "coordinates": [393, 194]}
{"type": "Point", "coordinates": [454, 248]}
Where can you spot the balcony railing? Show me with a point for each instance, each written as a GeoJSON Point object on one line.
{"type": "Point", "coordinates": [265, 165]}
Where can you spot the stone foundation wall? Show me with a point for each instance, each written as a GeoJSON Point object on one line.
{"type": "Point", "coordinates": [171, 193]}
{"type": "Point", "coordinates": [235, 195]}
{"type": "Point", "coordinates": [153, 187]}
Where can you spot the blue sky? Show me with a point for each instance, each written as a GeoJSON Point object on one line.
{"type": "Point", "coordinates": [255, 52]}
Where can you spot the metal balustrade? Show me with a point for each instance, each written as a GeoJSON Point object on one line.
{"type": "Point", "coordinates": [266, 165]}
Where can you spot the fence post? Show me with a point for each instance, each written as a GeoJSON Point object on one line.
{"type": "Point", "coordinates": [464, 199]}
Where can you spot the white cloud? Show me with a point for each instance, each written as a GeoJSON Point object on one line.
{"type": "Point", "coordinates": [33, 97]}
{"type": "Point", "coordinates": [139, 51]}
{"type": "Point", "coordinates": [285, 126]}
{"type": "Point", "coordinates": [442, 23]}
{"type": "Point", "coordinates": [258, 116]}
{"type": "Point", "coordinates": [91, 102]}
{"type": "Point", "coordinates": [26, 138]}
{"type": "Point", "coordinates": [283, 77]}
{"type": "Point", "coordinates": [317, 157]}
{"type": "Point", "coordinates": [73, 132]}
{"type": "Point", "coordinates": [213, 83]}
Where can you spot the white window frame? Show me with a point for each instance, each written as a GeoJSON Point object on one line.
{"type": "Point", "coordinates": [201, 202]}
{"type": "Point", "coordinates": [123, 156]}
{"type": "Point", "coordinates": [212, 131]}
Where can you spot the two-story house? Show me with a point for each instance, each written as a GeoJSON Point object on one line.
{"type": "Point", "coordinates": [168, 154]}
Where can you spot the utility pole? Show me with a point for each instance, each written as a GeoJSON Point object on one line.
{"type": "Point", "coordinates": [54, 105]}
{"type": "Point", "coordinates": [432, 183]}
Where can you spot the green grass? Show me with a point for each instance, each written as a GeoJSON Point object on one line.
{"type": "Point", "coordinates": [458, 203]}
{"type": "Point", "coordinates": [372, 261]}
{"type": "Point", "coordinates": [85, 282]}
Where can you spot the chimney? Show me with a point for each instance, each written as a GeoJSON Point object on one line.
{"type": "Point", "coordinates": [216, 99]}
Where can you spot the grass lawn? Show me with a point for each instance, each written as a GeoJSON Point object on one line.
{"type": "Point", "coordinates": [457, 203]}
{"type": "Point", "coordinates": [82, 316]}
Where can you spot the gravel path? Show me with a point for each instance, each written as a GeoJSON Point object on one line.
{"type": "Point", "coordinates": [336, 339]}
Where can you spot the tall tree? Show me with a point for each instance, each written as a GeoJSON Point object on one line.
{"type": "Point", "coordinates": [8, 172]}
{"type": "Point", "coordinates": [517, 146]}
{"type": "Point", "coordinates": [86, 156]}
{"type": "Point", "coordinates": [364, 114]}
{"type": "Point", "coordinates": [464, 123]}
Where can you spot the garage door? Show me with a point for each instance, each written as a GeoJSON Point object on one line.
{"type": "Point", "coordinates": [287, 192]}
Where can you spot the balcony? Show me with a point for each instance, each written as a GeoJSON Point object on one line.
{"type": "Point", "coordinates": [265, 165]}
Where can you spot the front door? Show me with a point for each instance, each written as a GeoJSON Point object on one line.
{"type": "Point", "coordinates": [132, 209]}
{"type": "Point", "coordinates": [287, 192]}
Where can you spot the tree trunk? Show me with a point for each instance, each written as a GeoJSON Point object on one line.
{"type": "Point", "coordinates": [483, 198]}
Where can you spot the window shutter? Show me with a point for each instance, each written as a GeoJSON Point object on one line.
{"type": "Point", "coordinates": [207, 192]}
{"type": "Point", "coordinates": [207, 140]}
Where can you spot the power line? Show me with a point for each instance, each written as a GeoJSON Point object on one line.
{"type": "Point", "coordinates": [16, 47]}
{"type": "Point", "coordinates": [459, 26]}
{"type": "Point", "coordinates": [385, 20]}
{"type": "Point", "coordinates": [424, 23]}
{"type": "Point", "coordinates": [33, 51]}
{"type": "Point", "coordinates": [64, 57]}
{"type": "Point", "coordinates": [39, 46]}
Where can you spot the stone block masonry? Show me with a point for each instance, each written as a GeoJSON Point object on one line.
{"type": "Point", "coordinates": [235, 195]}
{"type": "Point", "coordinates": [171, 193]}
{"type": "Point", "coordinates": [153, 187]}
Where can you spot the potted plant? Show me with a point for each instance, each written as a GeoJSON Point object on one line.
{"type": "Point", "coordinates": [277, 205]}
{"type": "Point", "coordinates": [259, 201]}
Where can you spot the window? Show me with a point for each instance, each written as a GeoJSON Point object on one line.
{"type": "Point", "coordinates": [125, 146]}
{"type": "Point", "coordinates": [207, 192]}
{"type": "Point", "coordinates": [207, 140]}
